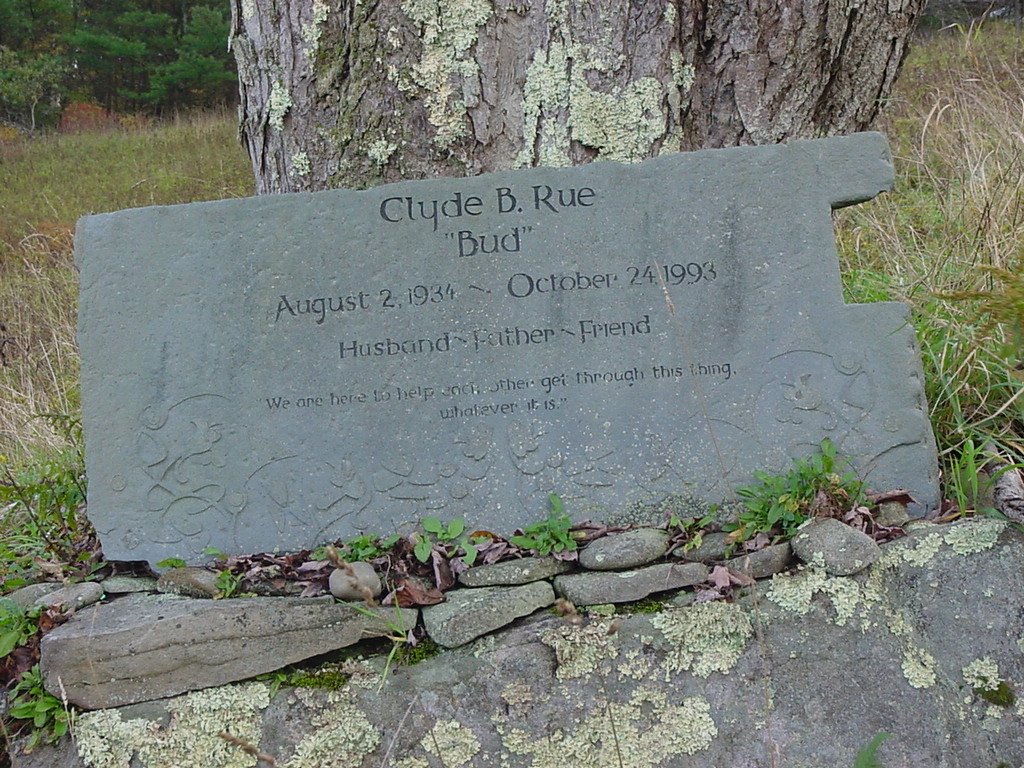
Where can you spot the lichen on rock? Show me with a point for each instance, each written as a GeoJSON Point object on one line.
{"type": "Point", "coordinates": [448, 32]}
{"type": "Point", "coordinates": [191, 738]}
{"type": "Point", "coordinates": [452, 743]}
{"type": "Point", "coordinates": [580, 649]}
{"type": "Point", "coordinates": [982, 673]}
{"type": "Point", "coordinates": [341, 733]}
{"type": "Point", "coordinates": [704, 638]}
{"type": "Point", "coordinates": [795, 593]}
{"type": "Point", "coordinates": [646, 731]}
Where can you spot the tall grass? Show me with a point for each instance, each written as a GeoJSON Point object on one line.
{"type": "Point", "coordinates": [46, 184]}
{"type": "Point", "coordinates": [950, 238]}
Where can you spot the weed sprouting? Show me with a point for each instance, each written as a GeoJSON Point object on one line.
{"type": "Point", "coordinates": [777, 505]}
{"type": "Point", "coordinates": [17, 625]}
{"type": "Point", "coordinates": [551, 535]}
{"type": "Point", "coordinates": [868, 756]}
{"type": "Point", "coordinates": [450, 537]}
{"type": "Point", "coordinates": [30, 701]}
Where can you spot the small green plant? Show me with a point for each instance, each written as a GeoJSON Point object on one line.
{"type": "Point", "coordinates": [692, 528]}
{"type": "Point", "coordinates": [366, 547]}
{"type": "Point", "coordinates": [31, 701]}
{"type": "Point", "coordinates": [967, 487]}
{"type": "Point", "coordinates": [172, 562]}
{"type": "Point", "coordinates": [778, 505]}
{"type": "Point", "coordinates": [397, 633]}
{"type": "Point", "coordinates": [867, 757]}
{"type": "Point", "coordinates": [1000, 694]}
{"type": "Point", "coordinates": [42, 519]}
{"type": "Point", "coordinates": [452, 535]}
{"type": "Point", "coordinates": [228, 584]}
{"type": "Point", "coordinates": [17, 625]}
{"type": "Point", "coordinates": [551, 535]}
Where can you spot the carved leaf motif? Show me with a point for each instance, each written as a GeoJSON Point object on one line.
{"type": "Point", "coordinates": [149, 450]}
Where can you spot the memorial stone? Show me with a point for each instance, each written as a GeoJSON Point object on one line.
{"type": "Point", "coordinates": [271, 373]}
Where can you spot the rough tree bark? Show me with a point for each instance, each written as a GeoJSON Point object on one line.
{"type": "Point", "coordinates": [360, 92]}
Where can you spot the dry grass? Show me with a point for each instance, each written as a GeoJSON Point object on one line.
{"type": "Point", "coordinates": [45, 186]}
{"type": "Point", "coordinates": [950, 239]}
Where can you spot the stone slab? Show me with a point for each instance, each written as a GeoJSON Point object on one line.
{"type": "Point", "coordinates": [148, 647]}
{"type": "Point", "coordinates": [469, 613]}
{"type": "Point", "coordinates": [275, 372]}
{"type": "Point", "coordinates": [513, 572]}
{"type": "Point", "coordinates": [599, 587]}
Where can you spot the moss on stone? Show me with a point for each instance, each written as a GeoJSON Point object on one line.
{"type": "Point", "coordinates": [424, 649]}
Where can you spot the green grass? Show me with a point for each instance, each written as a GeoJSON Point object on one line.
{"type": "Point", "coordinates": [949, 239]}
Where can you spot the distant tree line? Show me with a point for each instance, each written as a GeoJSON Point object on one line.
{"type": "Point", "coordinates": [127, 56]}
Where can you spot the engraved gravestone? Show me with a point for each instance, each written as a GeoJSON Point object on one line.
{"type": "Point", "coordinates": [275, 372]}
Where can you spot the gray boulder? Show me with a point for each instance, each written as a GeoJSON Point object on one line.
{"type": "Point", "coordinates": [512, 572]}
{"type": "Point", "coordinates": [763, 563]}
{"type": "Point", "coordinates": [713, 546]}
{"type": "Point", "coordinates": [467, 614]}
{"type": "Point", "coordinates": [31, 593]}
{"type": "Point", "coordinates": [355, 583]}
{"type": "Point", "coordinates": [597, 588]}
{"type": "Point", "coordinates": [189, 581]}
{"type": "Point", "coordinates": [618, 551]}
{"type": "Point", "coordinates": [124, 584]}
{"type": "Point", "coordinates": [71, 596]}
{"type": "Point", "coordinates": [835, 546]}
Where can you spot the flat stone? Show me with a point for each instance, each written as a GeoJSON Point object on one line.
{"type": "Point", "coordinates": [763, 563]}
{"type": "Point", "coordinates": [145, 647]}
{"type": "Point", "coordinates": [512, 572]}
{"type": "Point", "coordinates": [467, 614]}
{"type": "Point", "coordinates": [713, 546]}
{"type": "Point", "coordinates": [626, 586]}
{"type": "Point", "coordinates": [189, 581]}
{"type": "Point", "coordinates": [835, 546]}
{"type": "Point", "coordinates": [356, 585]}
{"type": "Point", "coordinates": [29, 594]}
{"type": "Point", "coordinates": [892, 514]}
{"type": "Point", "coordinates": [619, 551]}
{"type": "Point", "coordinates": [124, 585]}
{"type": "Point", "coordinates": [73, 596]}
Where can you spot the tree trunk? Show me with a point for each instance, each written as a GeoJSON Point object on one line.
{"type": "Point", "coordinates": [355, 93]}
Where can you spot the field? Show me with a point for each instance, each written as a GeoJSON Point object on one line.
{"type": "Point", "coordinates": [949, 240]}
{"type": "Point", "coordinates": [46, 184]}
